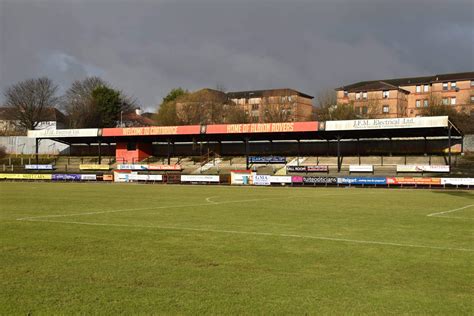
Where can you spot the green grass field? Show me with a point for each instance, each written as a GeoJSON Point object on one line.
{"type": "Point", "coordinates": [118, 248]}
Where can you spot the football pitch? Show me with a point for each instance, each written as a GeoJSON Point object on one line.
{"type": "Point", "coordinates": [170, 249]}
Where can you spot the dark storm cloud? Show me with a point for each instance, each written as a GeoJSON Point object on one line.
{"type": "Point", "coordinates": [148, 47]}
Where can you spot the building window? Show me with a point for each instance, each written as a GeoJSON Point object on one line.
{"type": "Point", "coordinates": [426, 88]}
{"type": "Point", "coordinates": [290, 99]}
{"type": "Point", "coordinates": [254, 107]}
{"type": "Point", "coordinates": [445, 101]}
{"type": "Point", "coordinates": [418, 89]}
{"type": "Point", "coordinates": [365, 110]}
{"type": "Point", "coordinates": [445, 86]}
{"type": "Point", "coordinates": [425, 103]}
{"type": "Point", "coordinates": [418, 103]}
{"type": "Point", "coordinates": [472, 99]}
{"type": "Point", "coordinates": [386, 109]}
{"type": "Point", "coordinates": [346, 93]}
{"type": "Point", "coordinates": [453, 85]}
{"type": "Point", "coordinates": [453, 100]}
{"type": "Point", "coordinates": [364, 95]}
{"type": "Point", "coordinates": [358, 96]}
{"type": "Point", "coordinates": [385, 94]}
{"type": "Point", "coordinates": [472, 83]}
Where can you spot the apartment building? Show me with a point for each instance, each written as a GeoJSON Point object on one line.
{"type": "Point", "coordinates": [274, 104]}
{"type": "Point", "coordinates": [406, 97]}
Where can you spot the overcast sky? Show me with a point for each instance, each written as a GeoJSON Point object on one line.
{"type": "Point", "coordinates": [148, 47]}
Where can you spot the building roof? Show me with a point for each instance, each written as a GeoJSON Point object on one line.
{"type": "Point", "coordinates": [49, 114]}
{"type": "Point", "coordinates": [134, 119]}
{"type": "Point", "coordinates": [268, 92]}
{"type": "Point", "coordinates": [400, 82]}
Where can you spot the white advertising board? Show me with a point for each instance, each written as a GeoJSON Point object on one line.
{"type": "Point", "coordinates": [132, 167]}
{"type": "Point", "coordinates": [361, 168]}
{"type": "Point", "coordinates": [88, 177]}
{"type": "Point", "coordinates": [241, 177]}
{"type": "Point", "coordinates": [145, 177]}
{"type": "Point", "coordinates": [280, 179]}
{"type": "Point", "coordinates": [388, 123]}
{"type": "Point", "coordinates": [39, 167]}
{"type": "Point", "coordinates": [58, 133]}
{"type": "Point", "coordinates": [199, 178]}
{"type": "Point", "coordinates": [260, 179]}
{"type": "Point", "coordinates": [422, 168]}
{"type": "Point", "coordinates": [458, 181]}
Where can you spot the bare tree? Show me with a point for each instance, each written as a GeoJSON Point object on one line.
{"type": "Point", "coordinates": [205, 106]}
{"type": "Point", "coordinates": [28, 100]}
{"type": "Point", "coordinates": [79, 105]}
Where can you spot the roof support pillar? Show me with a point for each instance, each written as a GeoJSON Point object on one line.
{"type": "Point", "coordinates": [168, 152]}
{"type": "Point", "coordinates": [339, 160]}
{"type": "Point", "coordinates": [247, 149]}
{"type": "Point", "coordinates": [99, 151]}
{"type": "Point", "coordinates": [37, 150]}
{"type": "Point", "coordinates": [449, 147]}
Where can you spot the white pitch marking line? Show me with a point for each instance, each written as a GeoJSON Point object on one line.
{"type": "Point", "coordinates": [156, 207]}
{"type": "Point", "coordinates": [208, 199]}
{"type": "Point", "coordinates": [259, 234]}
{"type": "Point", "coordinates": [144, 209]}
{"type": "Point", "coordinates": [450, 211]}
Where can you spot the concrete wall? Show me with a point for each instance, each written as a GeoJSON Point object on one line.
{"type": "Point", "coordinates": [22, 145]}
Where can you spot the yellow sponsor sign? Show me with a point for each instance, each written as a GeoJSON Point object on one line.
{"type": "Point", "coordinates": [25, 176]}
{"type": "Point", "coordinates": [94, 167]}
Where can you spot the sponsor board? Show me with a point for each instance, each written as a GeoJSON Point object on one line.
{"type": "Point", "coordinates": [108, 177]}
{"type": "Point", "coordinates": [25, 176]}
{"type": "Point", "coordinates": [458, 181]}
{"type": "Point", "coordinates": [363, 181]}
{"type": "Point", "coordinates": [241, 177]}
{"type": "Point", "coordinates": [145, 177]}
{"type": "Point", "coordinates": [422, 168]}
{"type": "Point", "coordinates": [265, 160]}
{"type": "Point", "coordinates": [319, 180]}
{"type": "Point", "coordinates": [411, 180]}
{"type": "Point", "coordinates": [307, 168]}
{"type": "Point", "coordinates": [199, 178]}
{"type": "Point", "coordinates": [59, 133]}
{"type": "Point", "coordinates": [66, 177]}
{"type": "Point", "coordinates": [88, 177]}
{"type": "Point", "coordinates": [132, 167]}
{"type": "Point", "coordinates": [388, 123]}
{"type": "Point", "coordinates": [39, 167]}
{"type": "Point", "coordinates": [361, 168]}
{"type": "Point", "coordinates": [94, 167]}
{"type": "Point", "coordinates": [165, 167]}
{"type": "Point", "coordinates": [280, 179]}
{"type": "Point", "coordinates": [261, 179]}
{"type": "Point", "coordinates": [262, 128]}
{"type": "Point", "coordinates": [296, 179]}
{"type": "Point", "coordinates": [152, 130]}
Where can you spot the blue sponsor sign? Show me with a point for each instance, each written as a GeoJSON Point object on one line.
{"type": "Point", "coordinates": [66, 177]}
{"type": "Point", "coordinates": [267, 159]}
{"type": "Point", "coordinates": [361, 181]}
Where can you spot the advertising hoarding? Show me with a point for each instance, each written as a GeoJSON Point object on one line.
{"type": "Point", "coordinates": [319, 180]}
{"type": "Point", "coordinates": [363, 181]}
{"type": "Point", "coordinates": [261, 179]}
{"type": "Point", "coordinates": [423, 168]}
{"type": "Point", "coordinates": [411, 180]}
{"type": "Point", "coordinates": [458, 181]}
{"type": "Point", "coordinates": [387, 123]}
{"type": "Point", "coordinates": [280, 179]}
{"type": "Point", "coordinates": [164, 167]}
{"type": "Point", "coordinates": [296, 179]}
{"type": "Point", "coordinates": [132, 167]}
{"type": "Point", "coordinates": [39, 167]}
{"type": "Point", "coordinates": [361, 168]}
{"type": "Point", "coordinates": [94, 167]}
{"type": "Point", "coordinates": [152, 130]}
{"type": "Point", "coordinates": [200, 178]}
{"type": "Point", "coordinates": [88, 177]}
{"type": "Point", "coordinates": [241, 177]}
{"type": "Point", "coordinates": [145, 177]}
{"type": "Point", "coordinates": [267, 159]}
{"type": "Point", "coordinates": [66, 177]}
{"type": "Point", "coordinates": [59, 133]}
{"type": "Point", "coordinates": [25, 176]}
{"type": "Point", "coordinates": [315, 168]}
{"type": "Point", "coordinates": [262, 128]}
